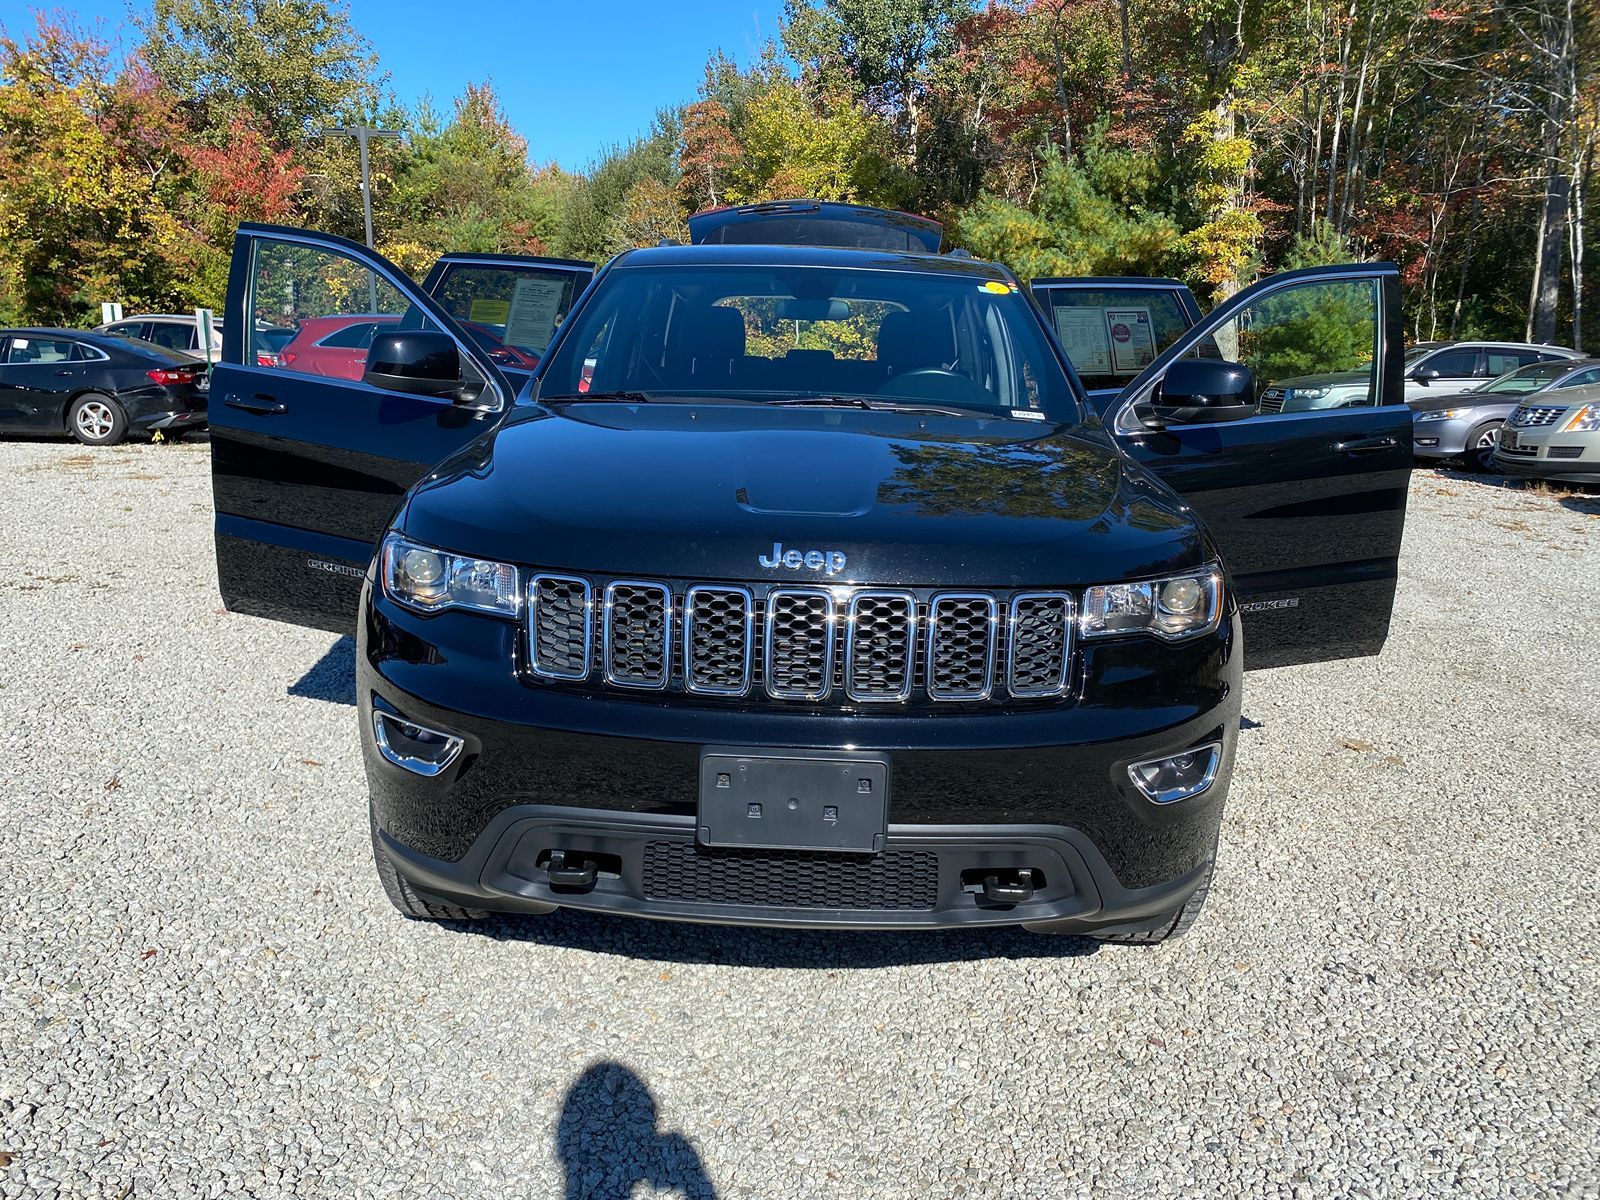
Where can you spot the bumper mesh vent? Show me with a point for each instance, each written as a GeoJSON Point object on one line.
{"type": "Point", "coordinates": [896, 880]}
{"type": "Point", "coordinates": [961, 637]}
{"type": "Point", "coordinates": [637, 634]}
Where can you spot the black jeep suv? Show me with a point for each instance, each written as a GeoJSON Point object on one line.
{"type": "Point", "coordinates": [798, 585]}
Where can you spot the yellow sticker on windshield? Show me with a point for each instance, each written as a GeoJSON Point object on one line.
{"type": "Point", "coordinates": [489, 312]}
{"type": "Point", "coordinates": [998, 288]}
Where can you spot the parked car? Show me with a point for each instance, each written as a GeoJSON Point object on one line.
{"type": "Point", "coordinates": [1453, 367]}
{"type": "Point", "coordinates": [1553, 437]}
{"type": "Point", "coordinates": [828, 604]}
{"type": "Point", "coordinates": [334, 346]}
{"type": "Point", "coordinates": [816, 223]}
{"type": "Point", "coordinates": [175, 331]}
{"type": "Point", "coordinates": [1467, 425]}
{"type": "Point", "coordinates": [97, 387]}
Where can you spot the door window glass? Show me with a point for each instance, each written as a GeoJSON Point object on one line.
{"type": "Point", "coordinates": [335, 305]}
{"type": "Point", "coordinates": [1111, 334]}
{"type": "Point", "coordinates": [1309, 347]}
{"type": "Point", "coordinates": [170, 334]}
{"type": "Point", "coordinates": [25, 351]}
{"type": "Point", "coordinates": [1452, 364]}
{"type": "Point", "coordinates": [511, 311]}
{"type": "Point", "coordinates": [1498, 362]}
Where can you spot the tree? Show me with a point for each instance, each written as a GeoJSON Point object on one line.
{"type": "Point", "coordinates": [292, 64]}
{"type": "Point", "coordinates": [793, 150]}
{"type": "Point", "coordinates": [709, 149]}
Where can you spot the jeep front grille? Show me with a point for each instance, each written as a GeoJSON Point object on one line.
{"type": "Point", "coordinates": [808, 644]}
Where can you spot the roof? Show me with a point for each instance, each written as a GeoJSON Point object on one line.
{"type": "Point", "coordinates": [737, 255]}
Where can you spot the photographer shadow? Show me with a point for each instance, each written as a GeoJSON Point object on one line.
{"type": "Point", "coordinates": [608, 1141]}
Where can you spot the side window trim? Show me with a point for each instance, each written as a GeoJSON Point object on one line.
{"type": "Point", "coordinates": [1124, 419]}
{"type": "Point", "coordinates": [402, 283]}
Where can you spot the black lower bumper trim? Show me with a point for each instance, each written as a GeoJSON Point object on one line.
{"type": "Point", "coordinates": [931, 877]}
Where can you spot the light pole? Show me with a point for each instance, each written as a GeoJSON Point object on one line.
{"type": "Point", "coordinates": [363, 135]}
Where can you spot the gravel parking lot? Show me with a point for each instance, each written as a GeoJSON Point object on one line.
{"type": "Point", "coordinates": [1393, 991]}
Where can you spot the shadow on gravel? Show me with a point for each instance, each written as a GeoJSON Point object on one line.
{"type": "Point", "coordinates": [1578, 502]}
{"type": "Point", "coordinates": [608, 1141]}
{"type": "Point", "coordinates": [332, 677]}
{"type": "Point", "coordinates": [789, 949]}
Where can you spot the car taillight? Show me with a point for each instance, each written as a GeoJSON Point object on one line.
{"type": "Point", "coordinates": [263, 359]}
{"type": "Point", "coordinates": [165, 376]}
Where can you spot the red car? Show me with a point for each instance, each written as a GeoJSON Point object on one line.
{"type": "Point", "coordinates": [334, 346]}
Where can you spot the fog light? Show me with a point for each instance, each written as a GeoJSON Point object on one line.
{"type": "Point", "coordinates": [414, 748]}
{"type": "Point", "coordinates": [1164, 780]}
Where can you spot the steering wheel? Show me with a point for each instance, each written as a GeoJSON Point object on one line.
{"type": "Point", "coordinates": [936, 383]}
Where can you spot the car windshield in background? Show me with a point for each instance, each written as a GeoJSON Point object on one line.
{"type": "Point", "coordinates": [810, 333]}
{"type": "Point", "coordinates": [1112, 334]}
{"type": "Point", "coordinates": [512, 312]}
{"type": "Point", "coordinates": [1527, 379]}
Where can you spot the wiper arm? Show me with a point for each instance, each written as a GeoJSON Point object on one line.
{"type": "Point", "coordinates": [821, 402]}
{"type": "Point", "coordinates": [880, 404]}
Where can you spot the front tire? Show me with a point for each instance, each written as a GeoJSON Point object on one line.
{"type": "Point", "coordinates": [1480, 453]}
{"type": "Point", "coordinates": [97, 420]}
{"type": "Point", "coordinates": [1175, 926]}
{"type": "Point", "coordinates": [405, 898]}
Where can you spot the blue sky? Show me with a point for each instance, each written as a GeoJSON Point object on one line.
{"type": "Point", "coordinates": [575, 75]}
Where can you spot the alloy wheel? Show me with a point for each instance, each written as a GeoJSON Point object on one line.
{"type": "Point", "coordinates": [95, 419]}
{"type": "Point", "coordinates": [1483, 448]}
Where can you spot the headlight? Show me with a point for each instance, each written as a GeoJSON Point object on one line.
{"type": "Point", "coordinates": [1172, 608]}
{"type": "Point", "coordinates": [1443, 414]}
{"type": "Point", "coordinates": [1309, 393]}
{"type": "Point", "coordinates": [428, 580]}
{"type": "Point", "coordinates": [1585, 420]}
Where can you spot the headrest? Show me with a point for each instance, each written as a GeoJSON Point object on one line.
{"type": "Point", "coordinates": [908, 341]}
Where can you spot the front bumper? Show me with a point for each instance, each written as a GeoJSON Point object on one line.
{"type": "Point", "coordinates": [1043, 790]}
{"type": "Point", "coordinates": [1538, 465]}
{"type": "Point", "coordinates": [1441, 439]}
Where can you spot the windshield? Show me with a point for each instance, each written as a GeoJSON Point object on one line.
{"type": "Point", "coordinates": [1526, 379]}
{"type": "Point", "coordinates": [1417, 352]}
{"type": "Point", "coordinates": [510, 310]}
{"type": "Point", "coordinates": [952, 339]}
{"type": "Point", "coordinates": [1111, 334]}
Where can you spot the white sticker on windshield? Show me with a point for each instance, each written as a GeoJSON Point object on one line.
{"type": "Point", "coordinates": [531, 322]}
{"type": "Point", "coordinates": [1133, 339]}
{"type": "Point", "coordinates": [1083, 336]}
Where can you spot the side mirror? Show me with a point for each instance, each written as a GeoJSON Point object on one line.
{"type": "Point", "coordinates": [424, 362]}
{"type": "Point", "coordinates": [1203, 391]}
{"type": "Point", "coordinates": [1425, 375]}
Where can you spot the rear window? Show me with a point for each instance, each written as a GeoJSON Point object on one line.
{"type": "Point", "coordinates": [801, 224]}
{"type": "Point", "coordinates": [1112, 334]}
{"type": "Point", "coordinates": [952, 339]}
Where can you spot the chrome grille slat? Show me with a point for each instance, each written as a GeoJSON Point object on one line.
{"type": "Point", "coordinates": [962, 630]}
{"type": "Point", "coordinates": [1039, 654]}
{"type": "Point", "coordinates": [559, 638]}
{"type": "Point", "coordinates": [807, 643]}
{"type": "Point", "coordinates": [638, 634]}
{"type": "Point", "coordinates": [718, 639]}
{"type": "Point", "coordinates": [880, 646]}
{"type": "Point", "coordinates": [1272, 400]}
{"type": "Point", "coordinates": [798, 647]}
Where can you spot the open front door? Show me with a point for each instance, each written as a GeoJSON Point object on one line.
{"type": "Point", "coordinates": [1304, 487]}
{"type": "Point", "coordinates": [312, 447]}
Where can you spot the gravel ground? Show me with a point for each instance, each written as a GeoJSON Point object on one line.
{"type": "Point", "coordinates": [1392, 991]}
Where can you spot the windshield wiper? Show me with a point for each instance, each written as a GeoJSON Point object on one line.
{"type": "Point", "coordinates": [881, 404]}
{"type": "Point", "coordinates": [624, 396]}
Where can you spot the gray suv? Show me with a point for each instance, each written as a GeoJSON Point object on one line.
{"type": "Point", "coordinates": [1467, 424]}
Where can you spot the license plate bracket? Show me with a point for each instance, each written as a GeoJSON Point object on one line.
{"type": "Point", "coordinates": [793, 800]}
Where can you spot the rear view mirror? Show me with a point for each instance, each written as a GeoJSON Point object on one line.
{"type": "Point", "coordinates": [423, 362]}
{"type": "Point", "coordinates": [1197, 391]}
{"type": "Point", "coordinates": [813, 310]}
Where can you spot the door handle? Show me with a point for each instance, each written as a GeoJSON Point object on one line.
{"type": "Point", "coordinates": [260, 403]}
{"type": "Point", "coordinates": [1371, 445]}
{"type": "Point", "coordinates": [63, 372]}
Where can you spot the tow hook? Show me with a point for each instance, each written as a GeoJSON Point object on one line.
{"type": "Point", "coordinates": [577, 873]}
{"type": "Point", "coordinates": [1010, 887]}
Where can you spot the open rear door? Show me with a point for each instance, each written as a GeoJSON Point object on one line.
{"type": "Point", "coordinates": [311, 452]}
{"type": "Point", "coordinates": [1307, 506]}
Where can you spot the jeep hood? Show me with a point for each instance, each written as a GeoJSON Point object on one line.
{"type": "Point", "coordinates": [704, 491]}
